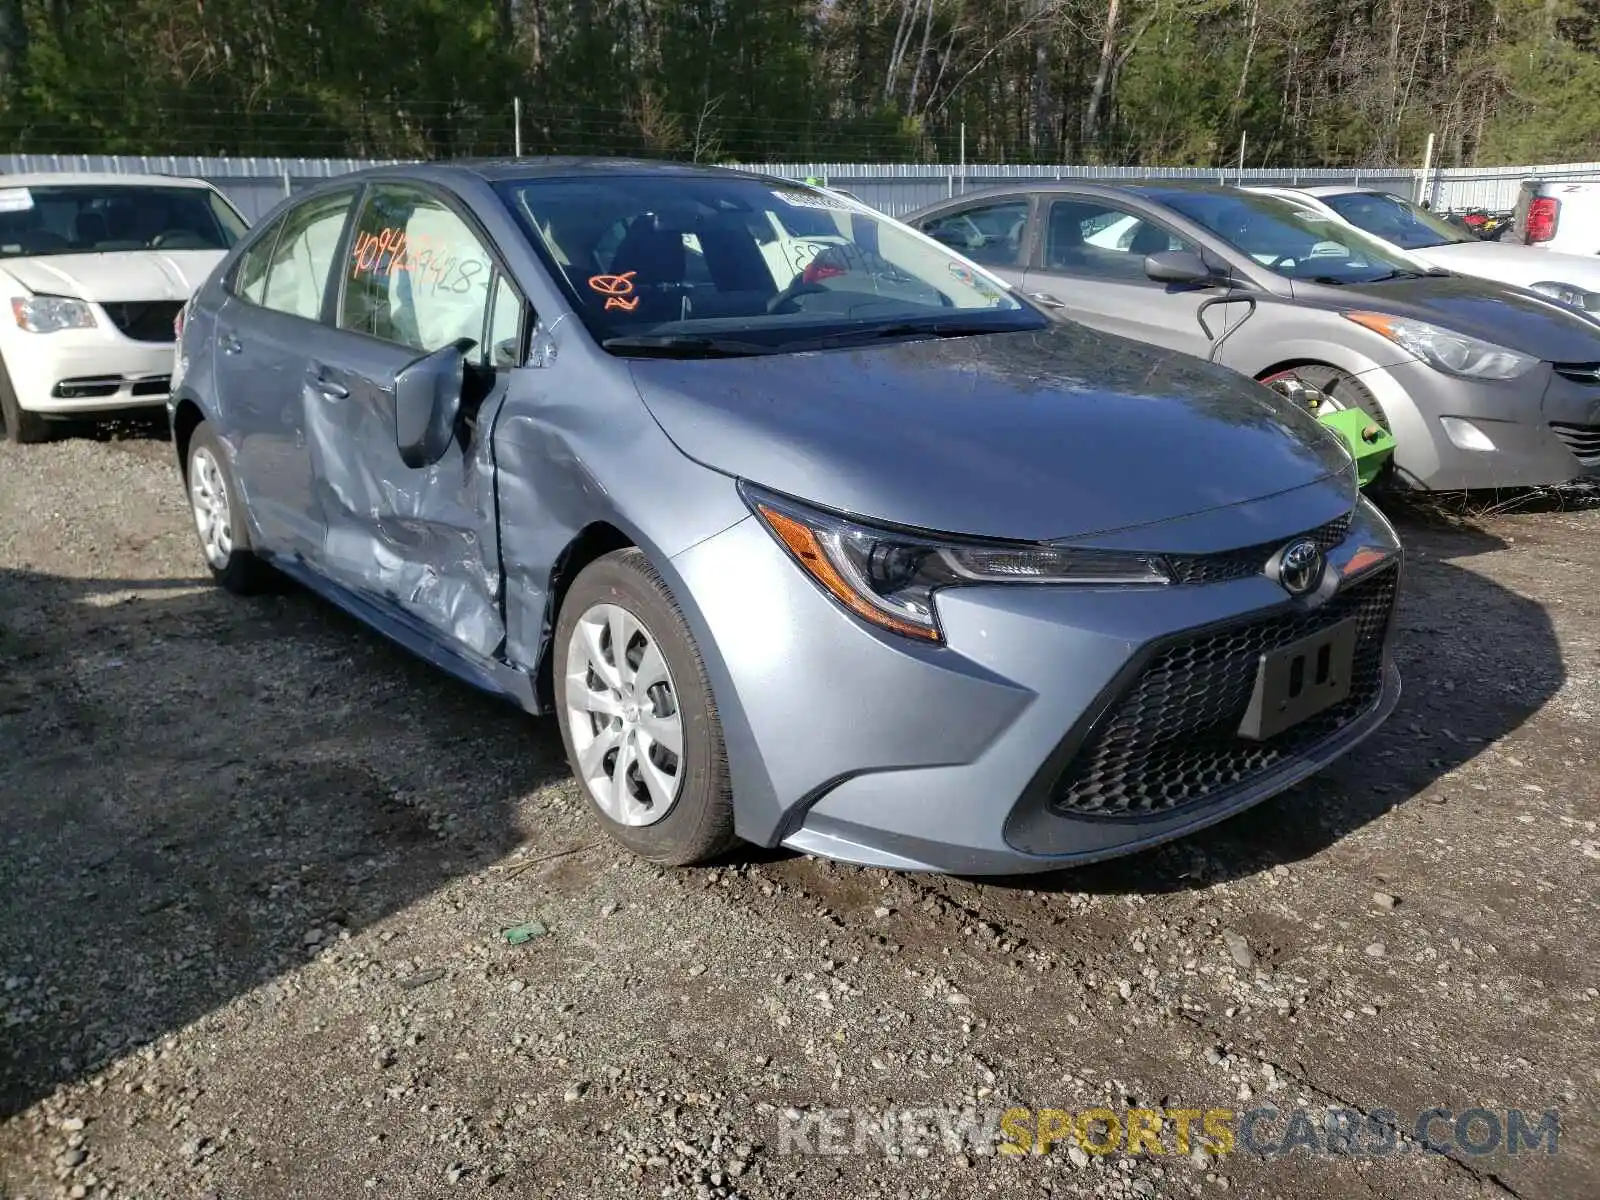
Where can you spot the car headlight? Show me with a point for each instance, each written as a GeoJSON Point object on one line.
{"type": "Point", "coordinates": [1444, 350]}
{"type": "Point", "coordinates": [51, 314]}
{"type": "Point", "coordinates": [889, 576]}
{"type": "Point", "coordinates": [1569, 294]}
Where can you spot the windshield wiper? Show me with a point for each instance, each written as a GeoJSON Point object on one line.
{"type": "Point", "coordinates": [900, 329]}
{"type": "Point", "coordinates": [685, 345]}
{"type": "Point", "coordinates": [1405, 275]}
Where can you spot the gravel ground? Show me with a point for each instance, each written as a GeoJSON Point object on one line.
{"type": "Point", "coordinates": [258, 864]}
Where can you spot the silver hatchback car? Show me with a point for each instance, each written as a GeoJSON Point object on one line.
{"type": "Point", "coordinates": [1482, 384]}
{"type": "Point", "coordinates": [805, 529]}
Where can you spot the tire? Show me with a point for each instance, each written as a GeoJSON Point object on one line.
{"type": "Point", "coordinates": [212, 494]}
{"type": "Point", "coordinates": [609, 716]}
{"type": "Point", "coordinates": [22, 426]}
{"type": "Point", "coordinates": [1343, 388]}
{"type": "Point", "coordinates": [1346, 391]}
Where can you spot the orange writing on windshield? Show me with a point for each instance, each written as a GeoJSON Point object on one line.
{"type": "Point", "coordinates": [617, 289]}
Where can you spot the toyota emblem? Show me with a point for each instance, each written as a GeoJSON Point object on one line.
{"type": "Point", "coordinates": [1300, 567]}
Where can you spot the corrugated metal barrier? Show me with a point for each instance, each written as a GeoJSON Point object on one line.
{"type": "Point", "coordinates": [256, 184]}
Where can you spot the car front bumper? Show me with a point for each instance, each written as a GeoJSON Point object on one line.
{"type": "Point", "coordinates": [87, 370]}
{"type": "Point", "coordinates": [976, 757]}
{"type": "Point", "coordinates": [1544, 428]}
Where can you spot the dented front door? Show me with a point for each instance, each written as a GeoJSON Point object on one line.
{"type": "Point", "coordinates": [416, 279]}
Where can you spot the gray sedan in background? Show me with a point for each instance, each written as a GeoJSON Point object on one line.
{"type": "Point", "coordinates": [1482, 384]}
{"type": "Point", "coordinates": [805, 529]}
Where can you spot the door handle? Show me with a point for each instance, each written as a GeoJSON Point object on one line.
{"type": "Point", "coordinates": [330, 389]}
{"type": "Point", "coordinates": [1046, 299]}
{"type": "Point", "coordinates": [229, 343]}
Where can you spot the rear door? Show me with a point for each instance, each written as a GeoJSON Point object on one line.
{"type": "Point", "coordinates": [418, 275]}
{"type": "Point", "coordinates": [265, 325]}
{"type": "Point", "coordinates": [1089, 264]}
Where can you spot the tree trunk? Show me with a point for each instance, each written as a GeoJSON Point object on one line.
{"type": "Point", "coordinates": [922, 57]}
{"type": "Point", "coordinates": [1097, 90]}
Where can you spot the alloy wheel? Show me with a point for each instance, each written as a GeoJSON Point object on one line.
{"type": "Point", "coordinates": [208, 495]}
{"type": "Point", "coordinates": [622, 712]}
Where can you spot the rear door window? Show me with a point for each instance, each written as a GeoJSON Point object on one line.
{"type": "Point", "coordinates": [297, 277]}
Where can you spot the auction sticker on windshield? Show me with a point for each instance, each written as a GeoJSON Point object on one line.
{"type": "Point", "coordinates": [15, 199]}
{"type": "Point", "coordinates": [812, 200]}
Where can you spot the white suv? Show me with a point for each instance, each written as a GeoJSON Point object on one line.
{"type": "Point", "coordinates": [96, 269]}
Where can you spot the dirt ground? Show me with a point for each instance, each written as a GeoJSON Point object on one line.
{"type": "Point", "coordinates": [257, 864]}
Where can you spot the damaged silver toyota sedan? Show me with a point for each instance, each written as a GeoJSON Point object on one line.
{"type": "Point", "coordinates": [807, 530]}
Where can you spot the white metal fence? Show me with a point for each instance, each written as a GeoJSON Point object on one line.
{"type": "Point", "coordinates": [256, 184]}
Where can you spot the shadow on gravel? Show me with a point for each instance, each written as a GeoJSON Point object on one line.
{"type": "Point", "coordinates": [190, 783]}
{"type": "Point", "coordinates": [1476, 662]}
{"type": "Point", "coordinates": [142, 425]}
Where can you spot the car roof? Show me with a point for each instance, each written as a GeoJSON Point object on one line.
{"type": "Point", "coordinates": [549, 167]}
{"type": "Point", "coordinates": [1147, 189]}
{"type": "Point", "coordinates": [1343, 189]}
{"type": "Point", "coordinates": [98, 178]}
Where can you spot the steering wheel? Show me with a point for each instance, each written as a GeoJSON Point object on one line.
{"type": "Point", "coordinates": [168, 236]}
{"type": "Point", "coordinates": [798, 286]}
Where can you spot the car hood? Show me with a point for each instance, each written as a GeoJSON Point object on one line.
{"type": "Point", "coordinates": [1034, 435]}
{"type": "Point", "coordinates": [116, 275]}
{"type": "Point", "coordinates": [1511, 263]}
{"type": "Point", "coordinates": [1481, 308]}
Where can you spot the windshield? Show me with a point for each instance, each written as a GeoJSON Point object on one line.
{"type": "Point", "coordinates": [1292, 240]}
{"type": "Point", "coordinates": [1395, 220]}
{"type": "Point", "coordinates": [97, 219]}
{"type": "Point", "coordinates": [661, 263]}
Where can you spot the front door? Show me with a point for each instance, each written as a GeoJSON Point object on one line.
{"type": "Point", "coordinates": [270, 316]}
{"type": "Point", "coordinates": [1091, 268]}
{"type": "Point", "coordinates": [417, 278]}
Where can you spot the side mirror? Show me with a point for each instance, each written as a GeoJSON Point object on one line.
{"type": "Point", "coordinates": [427, 402]}
{"type": "Point", "coordinates": [1178, 266]}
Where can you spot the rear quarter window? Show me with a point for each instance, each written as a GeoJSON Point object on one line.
{"type": "Point", "coordinates": [247, 279]}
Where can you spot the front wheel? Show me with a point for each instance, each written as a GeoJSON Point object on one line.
{"type": "Point", "coordinates": [637, 717]}
{"type": "Point", "coordinates": [219, 518]}
{"type": "Point", "coordinates": [1343, 392]}
{"type": "Point", "coordinates": [21, 426]}
{"type": "Point", "coordinates": [1342, 389]}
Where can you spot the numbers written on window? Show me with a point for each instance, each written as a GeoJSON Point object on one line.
{"type": "Point", "coordinates": [438, 266]}
{"type": "Point", "coordinates": [419, 276]}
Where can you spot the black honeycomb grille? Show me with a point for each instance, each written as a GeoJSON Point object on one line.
{"type": "Point", "coordinates": [1241, 564]}
{"type": "Point", "coordinates": [1171, 740]}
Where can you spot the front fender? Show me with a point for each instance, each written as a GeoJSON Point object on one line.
{"type": "Point", "coordinates": [575, 447]}
{"type": "Point", "coordinates": [1360, 352]}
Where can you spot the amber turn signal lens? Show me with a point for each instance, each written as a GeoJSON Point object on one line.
{"type": "Point", "coordinates": [802, 543]}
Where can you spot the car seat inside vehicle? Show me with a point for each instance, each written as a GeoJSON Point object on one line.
{"type": "Point", "coordinates": [1150, 239]}
{"type": "Point", "coordinates": [90, 229]}
{"type": "Point", "coordinates": [1065, 240]}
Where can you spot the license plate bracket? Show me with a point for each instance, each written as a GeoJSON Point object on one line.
{"type": "Point", "coordinates": [1298, 681]}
